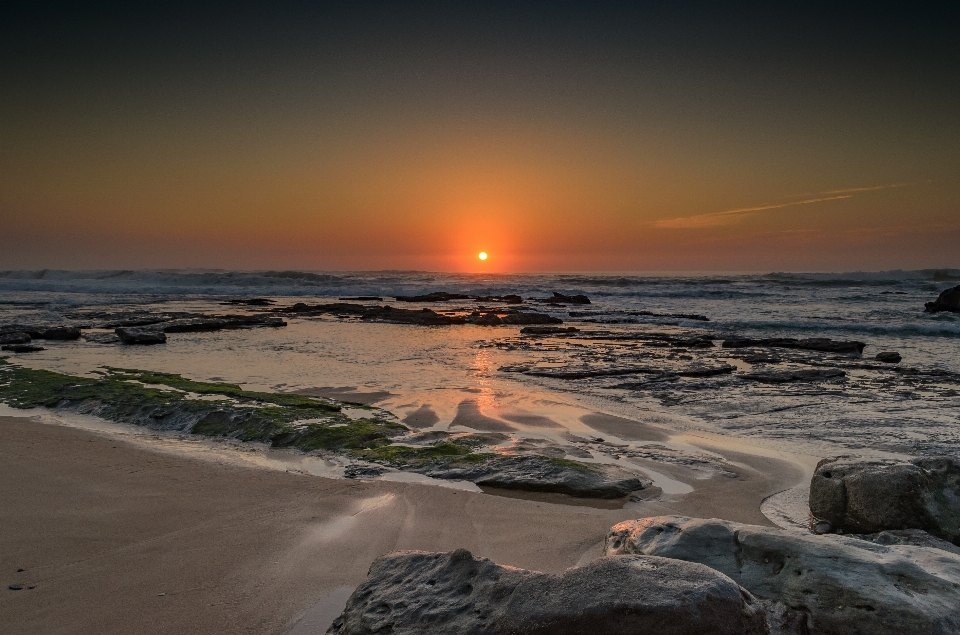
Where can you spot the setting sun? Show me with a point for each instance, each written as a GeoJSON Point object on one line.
{"type": "Point", "coordinates": [483, 255]}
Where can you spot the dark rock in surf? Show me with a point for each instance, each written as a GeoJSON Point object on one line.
{"type": "Point", "coordinates": [787, 376]}
{"type": "Point", "coordinates": [549, 330]}
{"type": "Point", "coordinates": [436, 296]}
{"type": "Point", "coordinates": [860, 496]}
{"type": "Point", "coordinates": [505, 299]}
{"type": "Point", "coordinates": [414, 592]}
{"type": "Point", "coordinates": [521, 318]}
{"type": "Point", "coordinates": [58, 333]}
{"type": "Point", "coordinates": [821, 344]}
{"type": "Point", "coordinates": [948, 300]}
{"type": "Point", "coordinates": [889, 357]}
{"type": "Point", "coordinates": [559, 298]}
{"type": "Point", "coordinates": [140, 336]}
{"type": "Point", "coordinates": [216, 323]}
{"type": "Point", "coordinates": [15, 338]}
{"type": "Point", "coordinates": [21, 348]}
{"type": "Point", "coordinates": [484, 319]}
{"type": "Point", "coordinates": [825, 585]}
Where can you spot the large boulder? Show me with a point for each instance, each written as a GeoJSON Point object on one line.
{"type": "Point", "coordinates": [414, 593]}
{"type": "Point", "coordinates": [948, 300]}
{"type": "Point", "coordinates": [860, 496]}
{"type": "Point", "coordinates": [825, 585]}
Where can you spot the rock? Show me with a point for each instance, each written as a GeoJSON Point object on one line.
{"type": "Point", "coordinates": [948, 300]}
{"type": "Point", "coordinates": [15, 338]}
{"type": "Point", "coordinates": [505, 299]}
{"type": "Point", "coordinates": [216, 323]}
{"type": "Point", "coordinates": [21, 348]}
{"type": "Point", "coordinates": [415, 593]}
{"type": "Point", "coordinates": [15, 587]}
{"type": "Point", "coordinates": [436, 296]}
{"type": "Point", "coordinates": [362, 471]}
{"type": "Point", "coordinates": [102, 338]}
{"type": "Point", "coordinates": [785, 376]}
{"type": "Point", "coordinates": [859, 496]}
{"type": "Point", "coordinates": [59, 333]}
{"type": "Point", "coordinates": [827, 585]}
{"type": "Point", "coordinates": [822, 344]}
{"type": "Point", "coordinates": [915, 537]}
{"type": "Point", "coordinates": [889, 357]}
{"type": "Point", "coordinates": [484, 319]}
{"type": "Point", "coordinates": [533, 473]}
{"type": "Point", "coordinates": [140, 336]}
{"type": "Point", "coordinates": [559, 298]}
{"type": "Point", "coordinates": [530, 318]}
{"type": "Point", "coordinates": [548, 330]}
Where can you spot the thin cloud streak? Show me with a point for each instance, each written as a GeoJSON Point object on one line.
{"type": "Point", "coordinates": [730, 217]}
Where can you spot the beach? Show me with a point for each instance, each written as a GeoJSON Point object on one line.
{"type": "Point", "coordinates": [119, 536]}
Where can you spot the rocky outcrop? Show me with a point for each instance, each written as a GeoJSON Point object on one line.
{"type": "Point", "coordinates": [823, 585]}
{"type": "Point", "coordinates": [786, 376]}
{"type": "Point", "coordinates": [129, 335]}
{"type": "Point", "coordinates": [15, 338]}
{"type": "Point", "coordinates": [219, 322]}
{"type": "Point", "coordinates": [534, 473]}
{"type": "Point", "coordinates": [858, 496]}
{"type": "Point", "coordinates": [822, 344]}
{"type": "Point", "coordinates": [414, 593]}
{"type": "Point", "coordinates": [948, 300]}
{"type": "Point", "coordinates": [57, 333]}
{"type": "Point", "coordinates": [436, 296]}
{"type": "Point", "coordinates": [889, 357]}
{"type": "Point", "coordinates": [559, 298]}
{"type": "Point", "coordinates": [548, 330]}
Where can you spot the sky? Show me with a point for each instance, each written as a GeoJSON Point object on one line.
{"type": "Point", "coordinates": [555, 136]}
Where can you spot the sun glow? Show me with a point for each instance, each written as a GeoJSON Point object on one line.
{"type": "Point", "coordinates": [482, 255]}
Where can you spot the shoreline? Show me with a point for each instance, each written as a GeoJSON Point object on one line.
{"type": "Point", "coordinates": [236, 548]}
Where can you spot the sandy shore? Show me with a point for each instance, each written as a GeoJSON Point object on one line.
{"type": "Point", "coordinates": [118, 537]}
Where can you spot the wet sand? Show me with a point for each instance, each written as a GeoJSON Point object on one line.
{"type": "Point", "coordinates": [119, 537]}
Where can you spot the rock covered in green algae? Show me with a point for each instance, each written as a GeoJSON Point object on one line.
{"type": "Point", "coordinates": [167, 401]}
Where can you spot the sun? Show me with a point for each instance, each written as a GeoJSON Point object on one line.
{"type": "Point", "coordinates": [482, 255]}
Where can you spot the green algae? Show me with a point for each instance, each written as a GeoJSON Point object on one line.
{"type": "Point", "coordinates": [120, 395]}
{"type": "Point", "coordinates": [138, 397]}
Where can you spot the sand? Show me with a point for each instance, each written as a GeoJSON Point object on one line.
{"type": "Point", "coordinates": [119, 537]}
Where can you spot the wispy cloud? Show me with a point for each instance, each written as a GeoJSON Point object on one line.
{"type": "Point", "coordinates": [733, 216]}
{"type": "Point", "coordinates": [729, 217]}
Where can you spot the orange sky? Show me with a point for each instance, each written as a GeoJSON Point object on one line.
{"type": "Point", "coordinates": [419, 152]}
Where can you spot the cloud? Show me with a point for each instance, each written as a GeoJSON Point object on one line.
{"type": "Point", "coordinates": [733, 216]}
